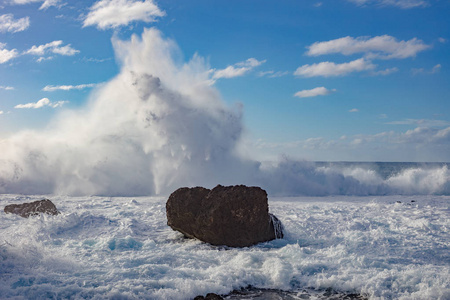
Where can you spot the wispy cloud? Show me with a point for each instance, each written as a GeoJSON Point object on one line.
{"type": "Point", "coordinates": [41, 103]}
{"type": "Point", "coordinates": [318, 91]}
{"type": "Point", "coordinates": [381, 47]}
{"type": "Point", "coordinates": [9, 24]}
{"type": "Point", "coordinates": [6, 88]}
{"type": "Point", "coordinates": [52, 88]}
{"type": "Point", "coordinates": [353, 110]}
{"type": "Point", "coordinates": [238, 69]}
{"type": "Point", "coordinates": [45, 3]}
{"type": "Point", "coordinates": [95, 60]}
{"type": "Point", "coordinates": [273, 74]}
{"type": "Point", "coordinates": [52, 47]}
{"type": "Point", "coordinates": [404, 4]}
{"type": "Point", "coordinates": [433, 70]}
{"type": "Point", "coordinates": [330, 69]}
{"type": "Point", "coordinates": [6, 55]}
{"type": "Point", "coordinates": [421, 123]}
{"type": "Point", "coordinates": [107, 14]}
{"type": "Point", "coordinates": [384, 72]}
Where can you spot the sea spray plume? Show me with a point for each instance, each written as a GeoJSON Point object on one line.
{"type": "Point", "coordinates": [157, 125]}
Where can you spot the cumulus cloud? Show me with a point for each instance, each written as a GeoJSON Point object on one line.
{"type": "Point", "coordinates": [55, 47]}
{"type": "Point", "coordinates": [238, 69]}
{"type": "Point", "coordinates": [41, 103]}
{"type": "Point", "coordinates": [404, 4]}
{"type": "Point", "coordinates": [45, 3]}
{"type": "Point", "coordinates": [52, 88]}
{"type": "Point", "coordinates": [107, 14]}
{"type": "Point", "coordinates": [382, 47]}
{"type": "Point", "coordinates": [9, 24]}
{"type": "Point", "coordinates": [330, 69]}
{"type": "Point", "coordinates": [6, 55]}
{"type": "Point", "coordinates": [318, 91]}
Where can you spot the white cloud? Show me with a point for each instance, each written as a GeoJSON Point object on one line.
{"type": "Point", "coordinates": [273, 74]}
{"type": "Point", "coordinates": [9, 24]}
{"type": "Point", "coordinates": [328, 69]}
{"type": "Point", "coordinates": [114, 13]}
{"type": "Point", "coordinates": [52, 47]}
{"type": "Point", "coordinates": [95, 60]}
{"type": "Point", "coordinates": [46, 3]}
{"type": "Point", "coordinates": [41, 103]}
{"type": "Point", "coordinates": [52, 88]}
{"type": "Point", "coordinates": [383, 47]}
{"type": "Point", "coordinates": [42, 58]}
{"type": "Point", "coordinates": [405, 4]}
{"type": "Point", "coordinates": [7, 88]}
{"type": "Point", "coordinates": [384, 72]}
{"type": "Point", "coordinates": [353, 110]}
{"type": "Point", "coordinates": [318, 91]}
{"type": "Point", "coordinates": [49, 3]}
{"type": "Point", "coordinates": [7, 55]}
{"type": "Point", "coordinates": [433, 70]}
{"type": "Point", "coordinates": [238, 69]}
{"type": "Point", "coordinates": [1, 112]}
{"type": "Point", "coordinates": [436, 69]}
{"type": "Point", "coordinates": [421, 123]}
{"type": "Point", "coordinates": [442, 40]}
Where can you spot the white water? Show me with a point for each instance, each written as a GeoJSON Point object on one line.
{"type": "Point", "coordinates": [121, 248]}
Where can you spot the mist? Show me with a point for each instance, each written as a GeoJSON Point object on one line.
{"type": "Point", "coordinates": [161, 124]}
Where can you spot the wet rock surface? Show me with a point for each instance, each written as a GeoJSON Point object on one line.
{"type": "Point", "coordinates": [209, 296]}
{"type": "Point", "coordinates": [35, 208]}
{"type": "Point", "coordinates": [272, 294]}
{"type": "Point", "coordinates": [235, 216]}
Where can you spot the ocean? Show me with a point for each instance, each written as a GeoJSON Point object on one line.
{"type": "Point", "coordinates": [390, 241]}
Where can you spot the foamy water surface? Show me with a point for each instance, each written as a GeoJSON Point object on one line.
{"type": "Point", "coordinates": [121, 248]}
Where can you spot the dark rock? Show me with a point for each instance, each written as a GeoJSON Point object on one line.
{"type": "Point", "coordinates": [209, 296]}
{"type": "Point", "coordinates": [212, 296]}
{"type": "Point", "coordinates": [235, 216]}
{"type": "Point", "coordinates": [309, 293]}
{"type": "Point", "coordinates": [32, 209]}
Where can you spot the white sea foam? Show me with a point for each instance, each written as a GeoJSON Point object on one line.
{"type": "Point", "coordinates": [121, 248]}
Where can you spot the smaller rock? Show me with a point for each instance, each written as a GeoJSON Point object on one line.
{"type": "Point", "coordinates": [32, 209]}
{"type": "Point", "coordinates": [210, 296]}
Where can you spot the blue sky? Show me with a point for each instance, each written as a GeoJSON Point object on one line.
{"type": "Point", "coordinates": [355, 80]}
